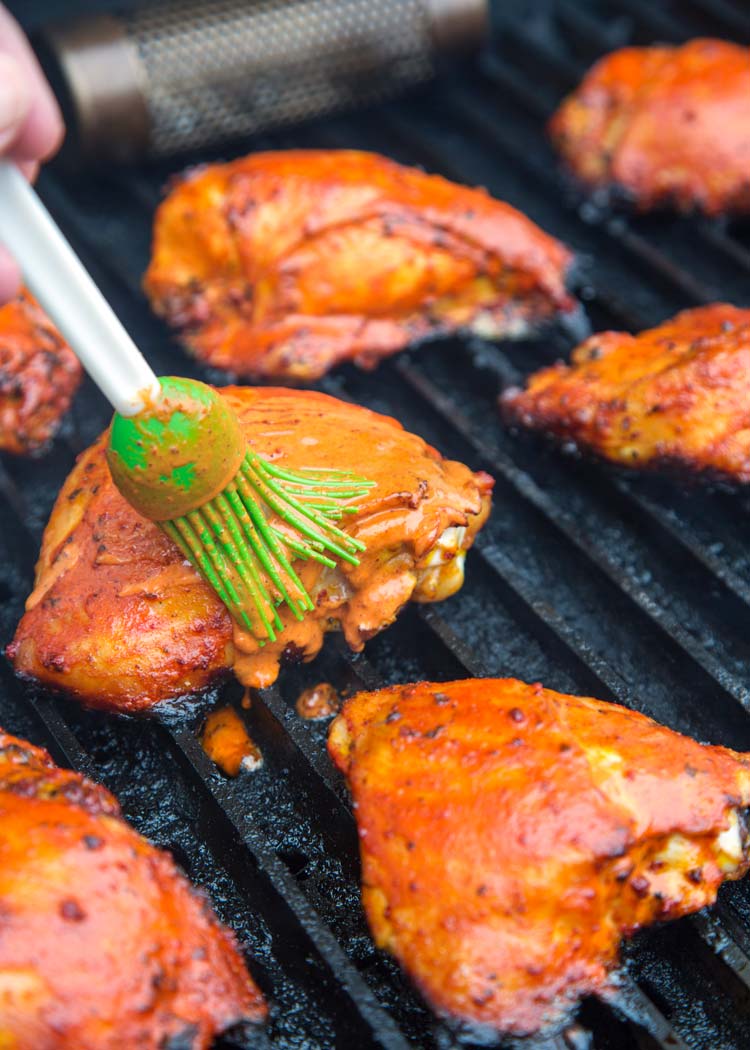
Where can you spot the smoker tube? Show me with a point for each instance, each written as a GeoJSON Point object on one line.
{"type": "Point", "coordinates": [174, 76]}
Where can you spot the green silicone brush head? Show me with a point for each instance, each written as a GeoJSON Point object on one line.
{"type": "Point", "coordinates": [184, 462]}
{"type": "Point", "coordinates": [178, 453]}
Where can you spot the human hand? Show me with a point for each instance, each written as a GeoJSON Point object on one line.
{"type": "Point", "coordinates": [31, 127]}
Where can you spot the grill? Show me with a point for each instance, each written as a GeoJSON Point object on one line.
{"type": "Point", "coordinates": [592, 582]}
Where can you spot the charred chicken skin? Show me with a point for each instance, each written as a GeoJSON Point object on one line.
{"type": "Point", "coordinates": [39, 374]}
{"type": "Point", "coordinates": [284, 264]}
{"type": "Point", "coordinates": [120, 620]}
{"type": "Point", "coordinates": [675, 396]}
{"type": "Point", "coordinates": [666, 125]}
{"type": "Point", "coordinates": [511, 835]}
{"type": "Point", "coordinates": [103, 942]}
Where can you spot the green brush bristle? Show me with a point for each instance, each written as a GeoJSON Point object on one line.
{"type": "Point", "coordinates": [187, 455]}
{"type": "Point", "coordinates": [244, 556]}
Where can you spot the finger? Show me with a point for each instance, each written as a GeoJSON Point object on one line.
{"type": "Point", "coordinates": [42, 132]}
{"type": "Point", "coordinates": [43, 129]}
{"type": "Point", "coordinates": [15, 101]}
{"type": "Point", "coordinates": [10, 278]}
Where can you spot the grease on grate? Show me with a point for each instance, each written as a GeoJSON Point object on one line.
{"type": "Point", "coordinates": [319, 702]}
{"type": "Point", "coordinates": [227, 742]}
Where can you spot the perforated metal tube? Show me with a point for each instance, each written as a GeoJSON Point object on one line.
{"type": "Point", "coordinates": [174, 76]}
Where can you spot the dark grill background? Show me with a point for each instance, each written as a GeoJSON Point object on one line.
{"type": "Point", "coordinates": [632, 589]}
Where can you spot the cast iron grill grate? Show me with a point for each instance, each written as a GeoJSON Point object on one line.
{"type": "Point", "coordinates": [631, 589]}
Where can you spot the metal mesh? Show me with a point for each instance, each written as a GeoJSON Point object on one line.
{"type": "Point", "coordinates": [216, 70]}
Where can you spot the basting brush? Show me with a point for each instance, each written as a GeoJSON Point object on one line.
{"type": "Point", "coordinates": [176, 450]}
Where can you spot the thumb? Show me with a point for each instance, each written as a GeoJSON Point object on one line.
{"type": "Point", "coordinates": [15, 101]}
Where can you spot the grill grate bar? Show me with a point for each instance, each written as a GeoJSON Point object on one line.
{"type": "Point", "coordinates": [719, 239]}
{"type": "Point", "coordinates": [632, 1002]}
{"type": "Point", "coordinates": [603, 677]}
{"type": "Point", "coordinates": [715, 929]}
{"type": "Point", "coordinates": [59, 737]}
{"type": "Point", "coordinates": [359, 665]}
{"type": "Point", "coordinates": [459, 649]}
{"type": "Point", "coordinates": [61, 734]}
{"type": "Point", "coordinates": [680, 532]}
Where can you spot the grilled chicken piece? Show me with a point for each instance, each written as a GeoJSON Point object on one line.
{"type": "Point", "coordinates": [121, 621]}
{"type": "Point", "coordinates": [103, 942]}
{"type": "Point", "coordinates": [666, 125]}
{"type": "Point", "coordinates": [284, 264]}
{"type": "Point", "coordinates": [511, 835]}
{"type": "Point", "coordinates": [39, 374]}
{"type": "Point", "coordinates": [675, 396]}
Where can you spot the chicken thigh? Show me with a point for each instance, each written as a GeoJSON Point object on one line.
{"type": "Point", "coordinates": [103, 942]}
{"type": "Point", "coordinates": [283, 265]}
{"type": "Point", "coordinates": [39, 374]}
{"type": "Point", "coordinates": [511, 835]}
{"type": "Point", "coordinates": [668, 126]}
{"type": "Point", "coordinates": [121, 621]}
{"type": "Point", "coordinates": [673, 397]}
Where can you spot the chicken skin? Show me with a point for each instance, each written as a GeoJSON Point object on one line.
{"type": "Point", "coordinates": [121, 621]}
{"type": "Point", "coordinates": [668, 126]}
{"type": "Point", "coordinates": [39, 374]}
{"type": "Point", "coordinates": [103, 942]}
{"type": "Point", "coordinates": [675, 396]}
{"type": "Point", "coordinates": [282, 265]}
{"type": "Point", "coordinates": [511, 835]}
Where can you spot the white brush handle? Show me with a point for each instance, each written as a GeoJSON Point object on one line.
{"type": "Point", "coordinates": [56, 277]}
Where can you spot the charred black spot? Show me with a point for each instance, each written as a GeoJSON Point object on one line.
{"type": "Point", "coordinates": [71, 910]}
